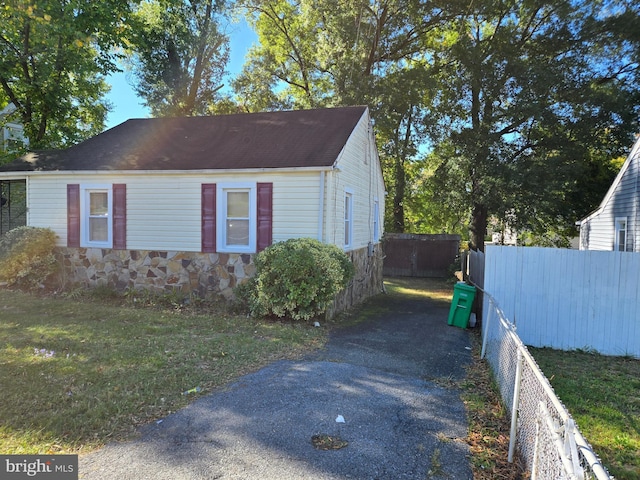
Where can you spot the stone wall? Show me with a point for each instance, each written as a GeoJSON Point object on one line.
{"type": "Point", "coordinates": [367, 281]}
{"type": "Point", "coordinates": [201, 273]}
{"type": "Point", "coordinates": [157, 271]}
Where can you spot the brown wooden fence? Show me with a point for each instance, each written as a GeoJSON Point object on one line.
{"type": "Point", "coordinates": [411, 255]}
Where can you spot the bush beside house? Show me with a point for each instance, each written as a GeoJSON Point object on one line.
{"type": "Point", "coordinates": [27, 257]}
{"type": "Point", "coordinates": [297, 278]}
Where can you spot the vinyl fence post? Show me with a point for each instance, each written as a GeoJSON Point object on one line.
{"type": "Point", "coordinates": [485, 330]}
{"type": "Point", "coordinates": [514, 407]}
{"type": "Point", "coordinates": [536, 445]}
{"type": "Point", "coordinates": [571, 449]}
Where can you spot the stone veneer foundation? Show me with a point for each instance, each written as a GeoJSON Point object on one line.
{"type": "Point", "coordinates": [204, 274]}
{"type": "Point", "coordinates": [157, 271]}
{"type": "Point", "coordinates": [367, 281]}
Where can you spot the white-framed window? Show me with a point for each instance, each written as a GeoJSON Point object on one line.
{"type": "Point", "coordinates": [621, 234]}
{"type": "Point", "coordinates": [376, 220]}
{"type": "Point", "coordinates": [348, 218]}
{"type": "Point", "coordinates": [236, 219]}
{"type": "Point", "coordinates": [96, 216]}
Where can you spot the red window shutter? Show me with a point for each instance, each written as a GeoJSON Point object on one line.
{"type": "Point", "coordinates": [119, 216]}
{"type": "Point", "coordinates": [208, 217]}
{"type": "Point", "coordinates": [265, 215]}
{"type": "Point", "coordinates": [73, 215]}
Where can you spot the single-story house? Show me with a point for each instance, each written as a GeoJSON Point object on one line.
{"type": "Point", "coordinates": [615, 225]}
{"type": "Point", "coordinates": [185, 203]}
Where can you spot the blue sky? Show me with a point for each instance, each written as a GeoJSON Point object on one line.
{"type": "Point", "coordinates": [126, 104]}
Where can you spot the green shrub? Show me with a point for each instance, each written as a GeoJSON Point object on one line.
{"type": "Point", "coordinates": [297, 278]}
{"type": "Point", "coordinates": [26, 256]}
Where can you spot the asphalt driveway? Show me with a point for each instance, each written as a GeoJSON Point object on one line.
{"type": "Point", "coordinates": [378, 402]}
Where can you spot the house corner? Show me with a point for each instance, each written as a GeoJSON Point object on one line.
{"type": "Point", "coordinates": [367, 280]}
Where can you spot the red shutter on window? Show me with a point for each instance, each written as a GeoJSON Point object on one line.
{"type": "Point", "coordinates": [209, 217]}
{"type": "Point", "coordinates": [119, 216]}
{"type": "Point", "coordinates": [265, 215]}
{"type": "Point", "coordinates": [73, 215]}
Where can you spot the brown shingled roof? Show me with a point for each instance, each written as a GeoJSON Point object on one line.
{"type": "Point", "coordinates": [301, 138]}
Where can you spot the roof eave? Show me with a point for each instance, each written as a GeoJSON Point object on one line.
{"type": "Point", "coordinates": [212, 171]}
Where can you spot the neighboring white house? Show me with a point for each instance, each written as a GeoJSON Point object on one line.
{"type": "Point", "coordinates": [185, 203]}
{"type": "Point", "coordinates": [615, 225]}
{"type": "Point", "coordinates": [11, 131]}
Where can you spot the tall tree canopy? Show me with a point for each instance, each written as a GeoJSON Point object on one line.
{"type": "Point", "coordinates": [179, 55]}
{"type": "Point", "coordinates": [54, 55]}
{"type": "Point", "coordinates": [493, 108]}
{"type": "Point", "coordinates": [531, 96]}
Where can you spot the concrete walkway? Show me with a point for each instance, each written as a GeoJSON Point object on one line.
{"type": "Point", "coordinates": [390, 378]}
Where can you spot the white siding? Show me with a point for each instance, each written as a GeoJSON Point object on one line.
{"type": "Point", "coordinates": [358, 170]}
{"type": "Point", "coordinates": [163, 210]}
{"type": "Point", "coordinates": [47, 204]}
{"type": "Point", "coordinates": [163, 213]}
{"type": "Point", "coordinates": [296, 205]}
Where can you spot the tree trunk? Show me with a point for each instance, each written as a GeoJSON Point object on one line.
{"type": "Point", "coordinates": [478, 226]}
{"type": "Point", "coordinates": [398, 196]}
{"type": "Point", "coordinates": [192, 89]}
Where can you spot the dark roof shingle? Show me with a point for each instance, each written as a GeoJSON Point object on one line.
{"type": "Point", "coordinates": [300, 138]}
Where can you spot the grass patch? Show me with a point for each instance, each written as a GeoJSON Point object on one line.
{"type": "Point", "coordinates": [603, 396]}
{"type": "Point", "coordinates": [428, 288]}
{"type": "Point", "coordinates": [76, 373]}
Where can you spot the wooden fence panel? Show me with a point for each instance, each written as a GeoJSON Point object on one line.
{"type": "Point", "coordinates": [568, 299]}
{"type": "Point", "coordinates": [409, 255]}
{"type": "Point", "coordinates": [475, 268]}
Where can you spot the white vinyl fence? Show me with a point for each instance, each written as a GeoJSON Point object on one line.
{"type": "Point", "coordinates": [568, 299]}
{"type": "Point", "coordinates": [564, 299]}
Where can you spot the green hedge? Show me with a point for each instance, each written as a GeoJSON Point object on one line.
{"type": "Point", "coordinates": [26, 256]}
{"type": "Point", "coordinates": [297, 278]}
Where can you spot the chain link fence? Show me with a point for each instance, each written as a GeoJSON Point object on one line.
{"type": "Point", "coordinates": [543, 433]}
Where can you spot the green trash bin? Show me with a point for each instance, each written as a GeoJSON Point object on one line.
{"type": "Point", "coordinates": [463, 297]}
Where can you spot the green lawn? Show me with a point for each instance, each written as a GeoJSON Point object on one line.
{"type": "Point", "coordinates": [77, 373]}
{"type": "Point", "coordinates": [603, 395]}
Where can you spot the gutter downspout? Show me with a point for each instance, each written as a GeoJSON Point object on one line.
{"type": "Point", "coordinates": [321, 209]}
{"type": "Point", "coordinates": [330, 211]}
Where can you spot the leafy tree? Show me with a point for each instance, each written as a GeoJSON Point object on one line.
{"type": "Point", "coordinates": [54, 55]}
{"type": "Point", "coordinates": [284, 70]}
{"type": "Point", "coordinates": [179, 55]}
{"type": "Point", "coordinates": [528, 100]}
{"type": "Point", "coordinates": [517, 107]}
{"type": "Point", "coordinates": [425, 214]}
{"type": "Point", "coordinates": [400, 126]}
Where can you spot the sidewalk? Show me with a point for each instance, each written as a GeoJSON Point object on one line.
{"type": "Point", "coordinates": [388, 377]}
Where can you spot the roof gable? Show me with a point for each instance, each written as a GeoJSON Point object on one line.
{"type": "Point", "coordinates": [301, 138]}
{"type": "Point", "coordinates": [634, 155]}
